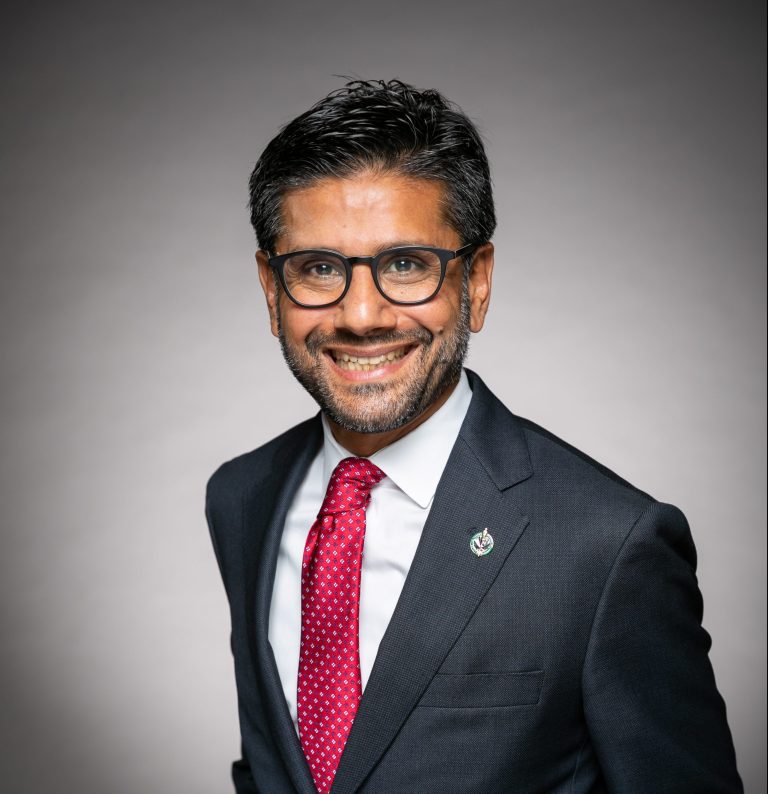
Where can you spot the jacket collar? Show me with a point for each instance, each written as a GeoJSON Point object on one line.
{"type": "Point", "coordinates": [495, 436]}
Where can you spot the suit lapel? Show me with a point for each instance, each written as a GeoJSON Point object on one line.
{"type": "Point", "coordinates": [267, 508]}
{"type": "Point", "coordinates": [446, 581]}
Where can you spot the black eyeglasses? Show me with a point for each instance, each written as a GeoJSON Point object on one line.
{"type": "Point", "coordinates": [407, 275]}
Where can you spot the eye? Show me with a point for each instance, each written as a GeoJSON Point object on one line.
{"type": "Point", "coordinates": [321, 269]}
{"type": "Point", "coordinates": [400, 269]}
{"type": "Point", "coordinates": [314, 267]}
{"type": "Point", "coordinates": [403, 265]}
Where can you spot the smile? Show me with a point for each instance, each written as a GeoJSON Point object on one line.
{"type": "Point", "coordinates": [355, 362]}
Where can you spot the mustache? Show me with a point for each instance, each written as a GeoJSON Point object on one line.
{"type": "Point", "coordinates": [317, 340]}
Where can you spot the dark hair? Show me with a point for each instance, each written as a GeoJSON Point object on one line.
{"type": "Point", "coordinates": [380, 125]}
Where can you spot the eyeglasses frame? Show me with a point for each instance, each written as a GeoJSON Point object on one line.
{"type": "Point", "coordinates": [444, 255]}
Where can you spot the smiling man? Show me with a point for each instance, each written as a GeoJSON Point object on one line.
{"type": "Point", "coordinates": [428, 593]}
{"type": "Point", "coordinates": [380, 353]}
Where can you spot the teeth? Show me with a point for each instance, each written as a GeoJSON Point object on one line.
{"type": "Point", "coordinates": [366, 363]}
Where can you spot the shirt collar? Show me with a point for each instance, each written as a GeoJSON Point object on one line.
{"type": "Point", "coordinates": [416, 461]}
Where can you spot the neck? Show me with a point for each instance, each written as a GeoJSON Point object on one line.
{"type": "Point", "coordinates": [366, 444]}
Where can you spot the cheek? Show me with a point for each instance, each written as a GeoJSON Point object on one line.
{"type": "Point", "coordinates": [442, 314]}
{"type": "Point", "coordinates": [297, 323]}
{"type": "Point", "coordinates": [439, 317]}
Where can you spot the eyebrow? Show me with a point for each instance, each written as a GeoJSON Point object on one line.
{"type": "Point", "coordinates": [386, 247]}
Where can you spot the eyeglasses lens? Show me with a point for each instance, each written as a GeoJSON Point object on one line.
{"type": "Point", "coordinates": [410, 276]}
{"type": "Point", "coordinates": [315, 279]}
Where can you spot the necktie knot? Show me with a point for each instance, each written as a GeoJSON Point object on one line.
{"type": "Point", "coordinates": [350, 486]}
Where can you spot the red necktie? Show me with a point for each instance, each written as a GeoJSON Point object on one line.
{"type": "Point", "coordinates": [329, 687]}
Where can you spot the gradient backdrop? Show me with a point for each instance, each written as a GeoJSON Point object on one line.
{"type": "Point", "coordinates": [627, 141]}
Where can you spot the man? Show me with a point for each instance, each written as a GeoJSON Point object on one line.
{"type": "Point", "coordinates": [521, 618]}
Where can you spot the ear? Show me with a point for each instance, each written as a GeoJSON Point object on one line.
{"type": "Point", "coordinates": [480, 285]}
{"type": "Point", "coordinates": [267, 279]}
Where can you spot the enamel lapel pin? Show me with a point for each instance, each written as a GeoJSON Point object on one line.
{"type": "Point", "coordinates": [481, 543]}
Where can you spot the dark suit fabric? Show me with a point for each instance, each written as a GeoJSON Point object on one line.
{"type": "Point", "coordinates": [569, 659]}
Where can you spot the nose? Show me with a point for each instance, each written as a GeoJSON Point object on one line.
{"type": "Point", "coordinates": [364, 310]}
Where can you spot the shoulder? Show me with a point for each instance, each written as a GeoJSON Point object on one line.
{"type": "Point", "coordinates": [559, 484]}
{"type": "Point", "coordinates": [576, 485]}
{"type": "Point", "coordinates": [584, 518]}
{"type": "Point", "coordinates": [551, 456]}
{"type": "Point", "coordinates": [235, 477]}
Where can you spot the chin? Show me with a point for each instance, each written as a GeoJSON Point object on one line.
{"type": "Point", "coordinates": [373, 422]}
{"type": "Point", "coordinates": [370, 407]}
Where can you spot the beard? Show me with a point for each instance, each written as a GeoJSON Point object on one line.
{"type": "Point", "coordinates": [381, 407]}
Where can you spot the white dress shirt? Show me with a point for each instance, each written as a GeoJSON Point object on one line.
{"type": "Point", "coordinates": [395, 517]}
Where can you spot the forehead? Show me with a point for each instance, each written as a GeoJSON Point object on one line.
{"type": "Point", "coordinates": [365, 212]}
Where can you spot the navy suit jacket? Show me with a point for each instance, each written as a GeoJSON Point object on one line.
{"type": "Point", "coordinates": [569, 659]}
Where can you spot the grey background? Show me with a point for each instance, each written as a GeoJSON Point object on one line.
{"type": "Point", "coordinates": [627, 143]}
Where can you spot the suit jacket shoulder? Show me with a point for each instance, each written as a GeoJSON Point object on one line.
{"type": "Point", "coordinates": [242, 472]}
{"type": "Point", "coordinates": [253, 477]}
{"type": "Point", "coordinates": [557, 480]}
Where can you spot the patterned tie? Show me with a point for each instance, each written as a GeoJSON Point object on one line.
{"type": "Point", "coordinates": [329, 687]}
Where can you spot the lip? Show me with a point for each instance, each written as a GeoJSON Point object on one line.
{"type": "Point", "coordinates": [369, 352]}
{"type": "Point", "coordinates": [381, 371]}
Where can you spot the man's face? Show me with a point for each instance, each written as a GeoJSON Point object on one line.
{"type": "Point", "coordinates": [408, 357]}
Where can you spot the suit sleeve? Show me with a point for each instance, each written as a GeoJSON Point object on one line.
{"type": "Point", "coordinates": [241, 771]}
{"type": "Point", "coordinates": [656, 719]}
{"type": "Point", "coordinates": [242, 778]}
